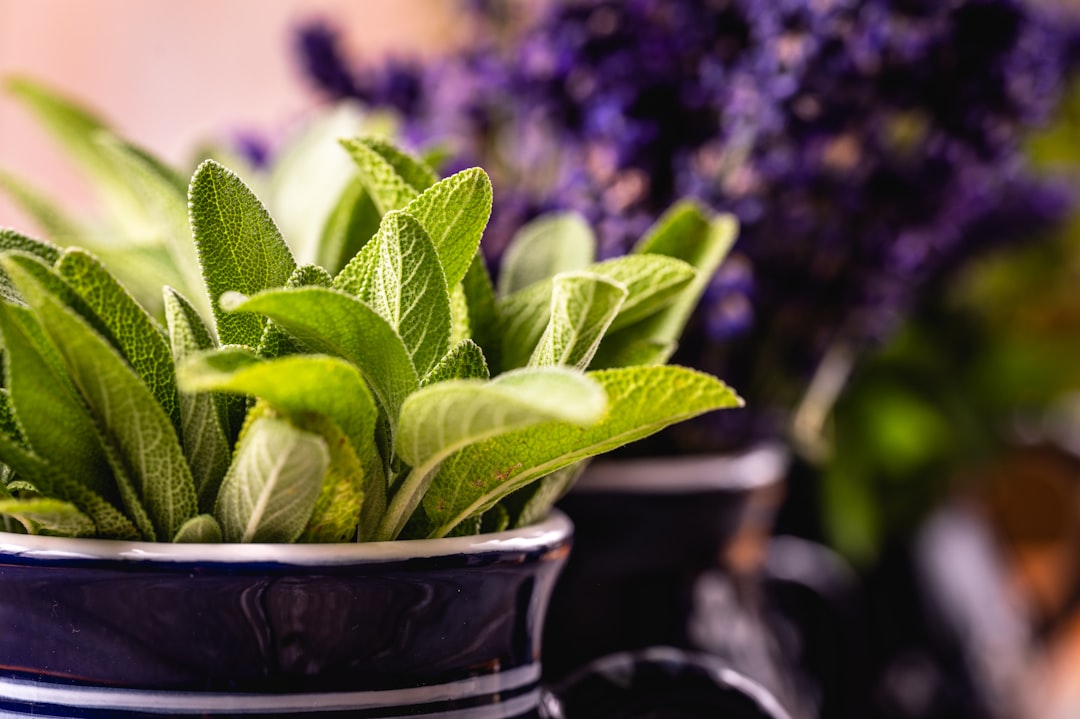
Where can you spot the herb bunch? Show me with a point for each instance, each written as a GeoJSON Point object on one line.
{"type": "Point", "coordinates": [397, 397]}
{"type": "Point", "coordinates": [867, 147]}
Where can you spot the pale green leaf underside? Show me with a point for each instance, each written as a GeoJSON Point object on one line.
{"type": "Point", "coordinates": [583, 306]}
{"type": "Point", "coordinates": [455, 212]}
{"type": "Point", "coordinates": [344, 490]}
{"type": "Point", "coordinates": [275, 478]}
{"type": "Point", "coordinates": [553, 243]}
{"type": "Point", "coordinates": [641, 401]}
{"type": "Point", "coordinates": [333, 322]}
{"type": "Point", "coordinates": [652, 282]}
{"type": "Point", "coordinates": [239, 247]}
{"type": "Point", "coordinates": [298, 383]}
{"type": "Point", "coordinates": [121, 403]}
{"type": "Point", "coordinates": [442, 418]}
{"type": "Point", "coordinates": [201, 529]}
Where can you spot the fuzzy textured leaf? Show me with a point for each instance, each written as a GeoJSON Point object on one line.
{"type": "Point", "coordinates": [138, 337]}
{"type": "Point", "coordinates": [455, 212]}
{"type": "Point", "coordinates": [275, 341]}
{"type": "Point", "coordinates": [465, 360]}
{"type": "Point", "coordinates": [204, 426]}
{"type": "Point", "coordinates": [583, 306]}
{"type": "Point", "coordinates": [55, 517]}
{"type": "Point", "coordinates": [201, 529]}
{"type": "Point", "coordinates": [239, 247]}
{"type": "Point", "coordinates": [273, 483]}
{"type": "Point", "coordinates": [352, 223]}
{"type": "Point", "coordinates": [121, 404]}
{"type": "Point", "coordinates": [333, 322]}
{"type": "Point", "coordinates": [47, 405]}
{"type": "Point", "coordinates": [390, 177]}
{"type": "Point", "coordinates": [641, 401]}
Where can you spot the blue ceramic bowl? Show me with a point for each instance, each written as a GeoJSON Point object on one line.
{"type": "Point", "coordinates": [443, 628]}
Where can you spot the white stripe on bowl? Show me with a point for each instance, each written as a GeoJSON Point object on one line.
{"type": "Point", "coordinates": [157, 701]}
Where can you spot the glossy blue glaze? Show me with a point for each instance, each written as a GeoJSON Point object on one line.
{"type": "Point", "coordinates": [442, 629]}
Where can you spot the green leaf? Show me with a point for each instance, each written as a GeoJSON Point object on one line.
{"type": "Point", "coordinates": [46, 404]}
{"type": "Point", "coordinates": [392, 178]}
{"type": "Point", "coordinates": [337, 510]}
{"type": "Point", "coordinates": [49, 516]}
{"type": "Point", "coordinates": [120, 402]}
{"type": "Point", "coordinates": [409, 290]}
{"type": "Point", "coordinates": [442, 418]}
{"type": "Point", "coordinates": [583, 306]}
{"type": "Point", "coordinates": [641, 401]}
{"type": "Point", "coordinates": [12, 240]}
{"type": "Point", "coordinates": [204, 429]}
{"type": "Point", "coordinates": [483, 318]}
{"type": "Point", "coordinates": [465, 360]}
{"type": "Point", "coordinates": [295, 384]}
{"type": "Point", "coordinates": [533, 502]}
{"type": "Point", "coordinates": [651, 281]}
{"type": "Point", "coordinates": [686, 232]}
{"type": "Point", "coordinates": [240, 248]}
{"type": "Point", "coordinates": [273, 483]}
{"type": "Point", "coordinates": [330, 321]}
{"type": "Point", "coordinates": [353, 221]}
{"type": "Point", "coordinates": [455, 212]}
{"type": "Point", "coordinates": [53, 482]}
{"type": "Point", "coordinates": [550, 244]}
{"type": "Point", "coordinates": [201, 529]}
{"type": "Point", "coordinates": [275, 341]}
{"type": "Point", "coordinates": [138, 337]}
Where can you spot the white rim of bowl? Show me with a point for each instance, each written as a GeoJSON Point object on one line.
{"type": "Point", "coordinates": [762, 465]}
{"type": "Point", "coordinates": [554, 530]}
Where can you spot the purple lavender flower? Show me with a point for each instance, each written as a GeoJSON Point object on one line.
{"type": "Point", "coordinates": [869, 147]}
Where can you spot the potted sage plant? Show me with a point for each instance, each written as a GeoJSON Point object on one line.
{"type": "Point", "coordinates": [198, 512]}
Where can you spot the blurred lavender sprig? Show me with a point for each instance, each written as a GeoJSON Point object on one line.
{"type": "Point", "coordinates": [869, 148]}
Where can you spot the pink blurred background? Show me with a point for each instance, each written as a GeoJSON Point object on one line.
{"type": "Point", "coordinates": [169, 74]}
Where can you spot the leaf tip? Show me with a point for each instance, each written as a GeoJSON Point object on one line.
{"type": "Point", "coordinates": [231, 301]}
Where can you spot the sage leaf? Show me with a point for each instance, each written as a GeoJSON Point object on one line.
{"type": "Point", "coordinates": [641, 401]}
{"type": "Point", "coordinates": [583, 306]}
{"type": "Point", "coordinates": [483, 318]}
{"type": "Point", "coordinates": [689, 233]}
{"type": "Point", "coordinates": [275, 341]}
{"type": "Point", "coordinates": [353, 221]}
{"type": "Point", "coordinates": [337, 511]}
{"type": "Point", "coordinates": [392, 178]}
{"type": "Point", "coordinates": [12, 240]}
{"type": "Point", "coordinates": [204, 431]}
{"type": "Point", "coordinates": [533, 502]}
{"type": "Point", "coordinates": [48, 516]}
{"type": "Point", "coordinates": [553, 243]}
{"type": "Point", "coordinates": [200, 529]}
{"type": "Point", "coordinates": [465, 360]}
{"type": "Point", "coordinates": [408, 288]}
{"type": "Point", "coordinates": [295, 384]}
{"type": "Point", "coordinates": [455, 212]}
{"type": "Point", "coordinates": [333, 322]}
{"type": "Point", "coordinates": [239, 247]}
{"type": "Point", "coordinates": [50, 480]}
{"type": "Point", "coordinates": [122, 405]}
{"type": "Point", "coordinates": [273, 483]}
{"type": "Point", "coordinates": [652, 282]}
{"type": "Point", "coordinates": [442, 418]}
{"type": "Point", "coordinates": [138, 337]}
{"type": "Point", "coordinates": [46, 404]}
